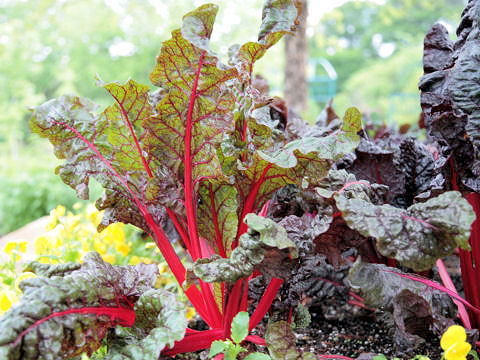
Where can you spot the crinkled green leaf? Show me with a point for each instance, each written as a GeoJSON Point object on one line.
{"type": "Point", "coordinates": [48, 322]}
{"type": "Point", "coordinates": [302, 316]}
{"type": "Point", "coordinates": [107, 146]}
{"type": "Point", "coordinates": [49, 270]}
{"type": "Point", "coordinates": [197, 25]}
{"type": "Point", "coordinates": [263, 235]}
{"type": "Point", "coordinates": [417, 236]}
{"type": "Point", "coordinates": [450, 97]}
{"type": "Point", "coordinates": [198, 106]}
{"type": "Point", "coordinates": [340, 181]}
{"type": "Point", "coordinates": [416, 308]}
{"type": "Point", "coordinates": [304, 162]}
{"type": "Point", "coordinates": [240, 327]}
{"type": "Point", "coordinates": [328, 148]}
{"type": "Point", "coordinates": [280, 341]}
{"type": "Point", "coordinates": [160, 321]}
{"type": "Point", "coordinates": [279, 17]}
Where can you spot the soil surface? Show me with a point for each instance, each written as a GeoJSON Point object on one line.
{"type": "Point", "coordinates": [360, 334]}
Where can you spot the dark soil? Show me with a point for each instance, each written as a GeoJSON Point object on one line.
{"type": "Point", "coordinates": [360, 334]}
{"type": "Point", "coordinates": [357, 336]}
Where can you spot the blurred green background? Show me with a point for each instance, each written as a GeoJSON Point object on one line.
{"type": "Point", "coordinates": [51, 47]}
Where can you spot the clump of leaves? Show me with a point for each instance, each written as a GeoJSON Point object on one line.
{"type": "Point", "coordinates": [199, 158]}
{"type": "Point", "coordinates": [194, 159]}
{"type": "Point", "coordinates": [68, 309]}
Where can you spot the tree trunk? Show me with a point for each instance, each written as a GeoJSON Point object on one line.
{"type": "Point", "coordinates": [296, 57]}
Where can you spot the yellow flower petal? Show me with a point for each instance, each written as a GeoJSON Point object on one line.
{"type": "Point", "coordinates": [190, 313]}
{"type": "Point", "coordinates": [123, 248]}
{"type": "Point", "coordinates": [100, 247]}
{"type": "Point", "coordinates": [22, 277]}
{"type": "Point", "coordinates": [162, 268]}
{"type": "Point", "coordinates": [22, 246]}
{"type": "Point", "coordinates": [109, 258]}
{"type": "Point", "coordinates": [114, 233]}
{"type": "Point", "coordinates": [454, 334]}
{"type": "Point", "coordinates": [9, 247]}
{"type": "Point", "coordinates": [135, 260]}
{"type": "Point", "coordinates": [5, 302]}
{"type": "Point", "coordinates": [41, 245]}
{"type": "Point", "coordinates": [458, 351]}
{"type": "Point", "coordinates": [60, 210]}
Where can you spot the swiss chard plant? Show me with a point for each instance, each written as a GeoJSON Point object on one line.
{"type": "Point", "coordinates": [194, 161]}
{"type": "Point", "coordinates": [266, 207]}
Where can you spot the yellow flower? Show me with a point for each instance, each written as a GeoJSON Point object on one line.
{"type": "Point", "coordinates": [46, 244]}
{"type": "Point", "coordinates": [72, 224]}
{"type": "Point", "coordinates": [109, 258]}
{"type": "Point", "coordinates": [15, 245]}
{"type": "Point", "coordinates": [59, 211]}
{"type": "Point", "coordinates": [162, 267]}
{"type": "Point", "coordinates": [190, 312]}
{"type": "Point", "coordinates": [22, 277]}
{"type": "Point", "coordinates": [47, 260]}
{"type": "Point", "coordinates": [135, 260]}
{"type": "Point", "coordinates": [114, 233]}
{"type": "Point", "coordinates": [8, 249]}
{"type": "Point", "coordinates": [22, 246]}
{"type": "Point", "coordinates": [93, 214]}
{"type": "Point", "coordinates": [5, 302]}
{"type": "Point", "coordinates": [100, 247]}
{"type": "Point", "coordinates": [454, 343]}
{"type": "Point", "coordinates": [55, 214]}
{"type": "Point", "coordinates": [123, 248]}
{"type": "Point", "coordinates": [41, 245]}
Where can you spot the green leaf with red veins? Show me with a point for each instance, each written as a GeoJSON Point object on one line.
{"type": "Point", "coordinates": [278, 18]}
{"type": "Point", "coordinates": [68, 309]}
{"type": "Point", "coordinates": [126, 116]}
{"type": "Point", "coordinates": [304, 162]}
{"type": "Point", "coordinates": [108, 147]}
{"type": "Point", "coordinates": [160, 321]}
{"type": "Point", "coordinates": [218, 210]}
{"type": "Point", "coordinates": [198, 24]}
{"type": "Point", "coordinates": [196, 111]}
{"type": "Point", "coordinates": [416, 236]}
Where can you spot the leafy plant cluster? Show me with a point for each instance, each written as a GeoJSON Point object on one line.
{"type": "Point", "coordinates": [270, 210]}
{"type": "Point", "coordinates": [69, 237]}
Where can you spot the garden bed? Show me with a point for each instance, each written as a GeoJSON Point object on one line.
{"type": "Point", "coordinates": [273, 215]}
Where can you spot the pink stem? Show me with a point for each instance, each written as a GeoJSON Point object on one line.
{"type": "Point", "coordinates": [194, 342]}
{"type": "Point", "coordinates": [189, 196]}
{"type": "Point", "coordinates": [447, 282]}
